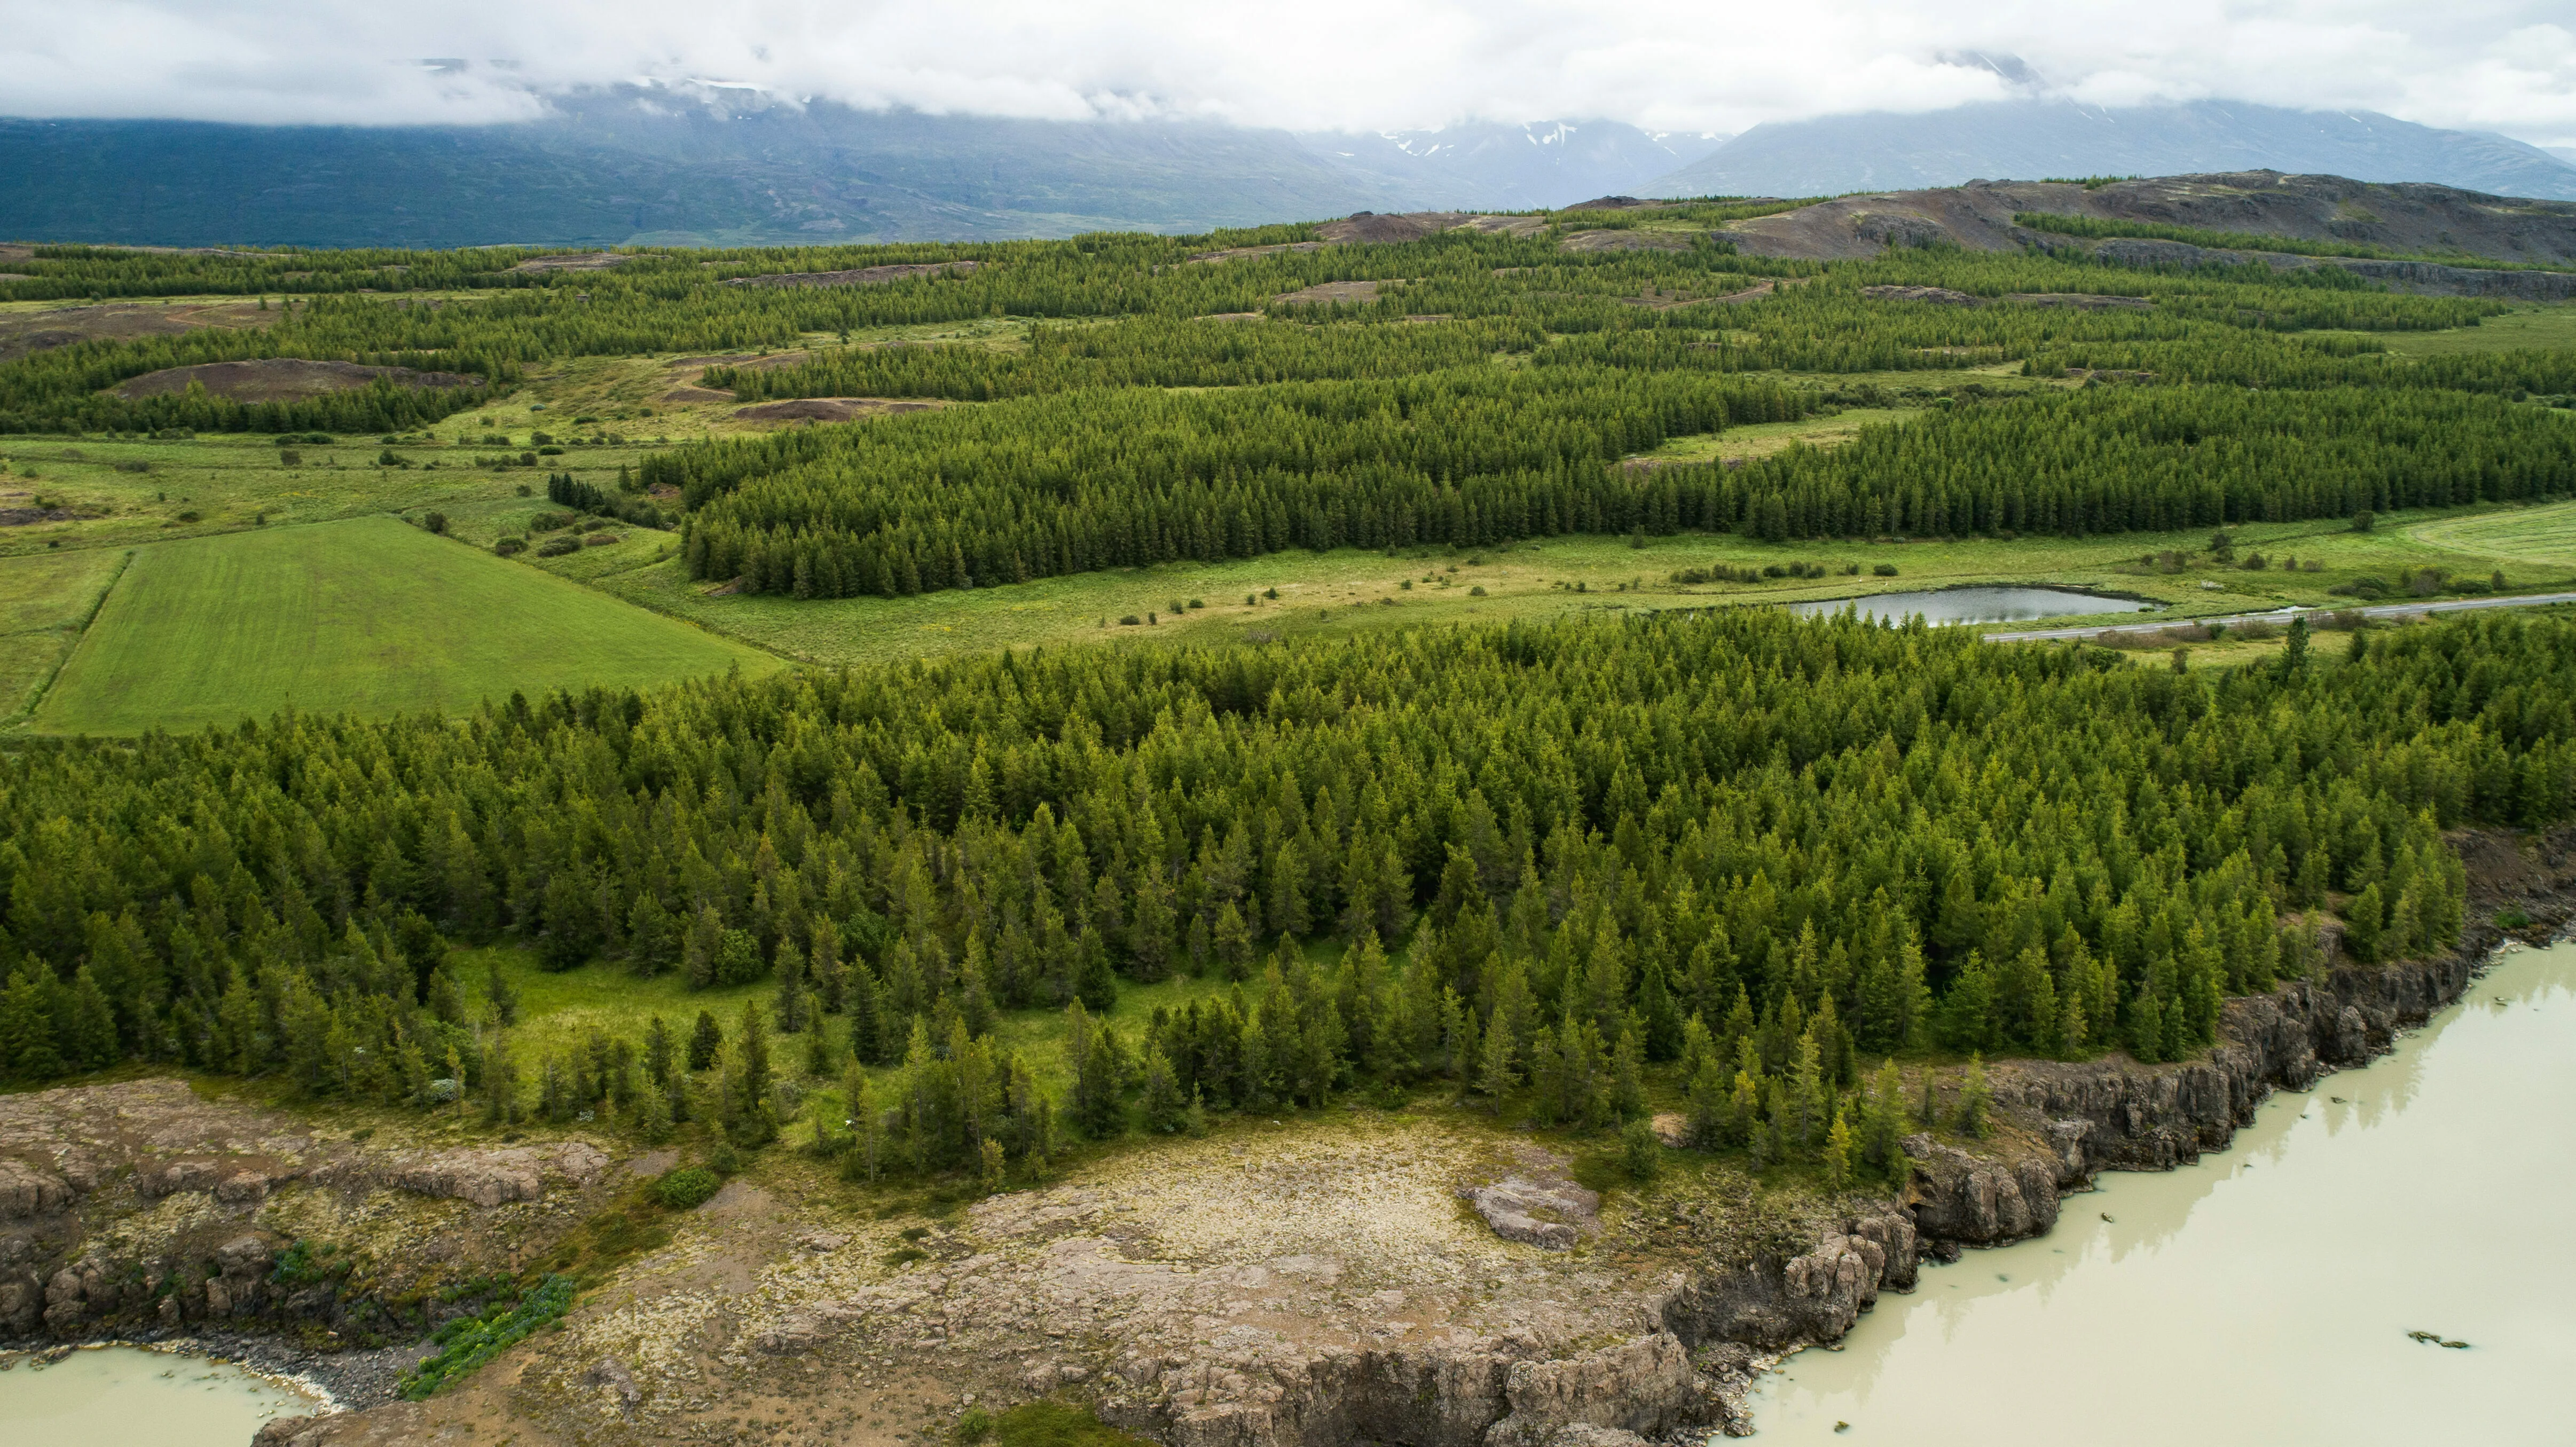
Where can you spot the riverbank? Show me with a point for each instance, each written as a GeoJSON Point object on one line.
{"type": "Point", "coordinates": [1285, 1284]}
{"type": "Point", "coordinates": [2366, 1264]}
{"type": "Point", "coordinates": [338, 1381]}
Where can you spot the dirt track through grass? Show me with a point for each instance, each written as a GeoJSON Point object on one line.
{"type": "Point", "coordinates": [371, 616]}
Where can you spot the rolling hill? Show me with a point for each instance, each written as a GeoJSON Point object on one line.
{"type": "Point", "coordinates": [2041, 137]}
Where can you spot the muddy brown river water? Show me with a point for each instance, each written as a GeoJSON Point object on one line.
{"type": "Point", "coordinates": [2268, 1294]}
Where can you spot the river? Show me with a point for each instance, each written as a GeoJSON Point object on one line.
{"type": "Point", "coordinates": [2266, 1295]}
{"type": "Point", "coordinates": [124, 1396]}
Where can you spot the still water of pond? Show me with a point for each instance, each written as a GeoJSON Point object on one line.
{"type": "Point", "coordinates": [2266, 1295]}
{"type": "Point", "coordinates": [1973, 605]}
{"type": "Point", "coordinates": [121, 1396]}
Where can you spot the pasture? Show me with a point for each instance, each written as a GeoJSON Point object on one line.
{"type": "Point", "coordinates": [370, 616]}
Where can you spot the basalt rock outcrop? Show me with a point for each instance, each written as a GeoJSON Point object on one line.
{"type": "Point", "coordinates": [141, 1208]}
{"type": "Point", "coordinates": [2069, 1120]}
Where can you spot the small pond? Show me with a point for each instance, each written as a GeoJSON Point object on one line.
{"type": "Point", "coordinates": [119, 1396]}
{"type": "Point", "coordinates": [1974, 605]}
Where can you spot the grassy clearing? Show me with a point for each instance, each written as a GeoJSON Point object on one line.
{"type": "Point", "coordinates": [1761, 439]}
{"type": "Point", "coordinates": [45, 599]}
{"type": "Point", "coordinates": [2544, 324]}
{"type": "Point", "coordinates": [144, 492]}
{"type": "Point", "coordinates": [2537, 535]}
{"type": "Point", "coordinates": [369, 615]}
{"type": "Point", "coordinates": [1352, 590]}
{"type": "Point", "coordinates": [558, 1010]}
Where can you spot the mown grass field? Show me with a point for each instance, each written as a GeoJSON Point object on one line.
{"type": "Point", "coordinates": [44, 600]}
{"type": "Point", "coordinates": [372, 616]}
{"type": "Point", "coordinates": [2538, 535]}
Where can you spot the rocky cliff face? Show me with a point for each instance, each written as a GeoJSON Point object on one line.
{"type": "Point", "coordinates": [2115, 1114]}
{"type": "Point", "coordinates": [140, 1209]}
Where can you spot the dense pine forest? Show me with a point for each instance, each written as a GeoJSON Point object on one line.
{"type": "Point", "coordinates": [1553, 860]}
{"type": "Point", "coordinates": [1562, 869]}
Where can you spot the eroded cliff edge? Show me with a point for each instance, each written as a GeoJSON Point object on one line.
{"type": "Point", "coordinates": [1280, 1286]}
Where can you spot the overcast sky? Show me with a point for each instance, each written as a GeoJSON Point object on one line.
{"type": "Point", "coordinates": [1696, 65]}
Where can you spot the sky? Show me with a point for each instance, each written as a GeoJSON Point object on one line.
{"type": "Point", "coordinates": [1704, 66]}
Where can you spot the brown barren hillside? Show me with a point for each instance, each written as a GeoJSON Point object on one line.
{"type": "Point", "coordinates": [282, 379]}
{"type": "Point", "coordinates": [26, 333]}
{"type": "Point", "coordinates": [2394, 217]}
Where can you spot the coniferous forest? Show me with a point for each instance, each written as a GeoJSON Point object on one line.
{"type": "Point", "coordinates": [1759, 851]}
{"type": "Point", "coordinates": [1735, 860]}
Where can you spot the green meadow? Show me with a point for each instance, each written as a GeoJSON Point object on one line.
{"type": "Point", "coordinates": [370, 616]}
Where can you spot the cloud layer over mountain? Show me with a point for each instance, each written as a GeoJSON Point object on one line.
{"type": "Point", "coordinates": [1665, 65]}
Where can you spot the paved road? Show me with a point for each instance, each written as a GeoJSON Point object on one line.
{"type": "Point", "coordinates": [2284, 615]}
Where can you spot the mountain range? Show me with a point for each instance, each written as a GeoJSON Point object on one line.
{"type": "Point", "coordinates": [709, 165]}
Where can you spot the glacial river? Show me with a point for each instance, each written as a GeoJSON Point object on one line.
{"type": "Point", "coordinates": [127, 1397]}
{"type": "Point", "coordinates": [2267, 1294]}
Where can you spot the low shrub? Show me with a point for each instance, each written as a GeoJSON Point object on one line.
{"type": "Point", "coordinates": [558, 547]}
{"type": "Point", "coordinates": [686, 1188]}
{"type": "Point", "coordinates": [469, 1341]}
{"type": "Point", "coordinates": [510, 547]}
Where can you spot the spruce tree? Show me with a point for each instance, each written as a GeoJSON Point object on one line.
{"type": "Point", "coordinates": [661, 1053]}
{"type": "Point", "coordinates": [2147, 1026]}
{"type": "Point", "coordinates": [1882, 1125]}
{"type": "Point", "coordinates": [790, 1003]}
{"type": "Point", "coordinates": [1495, 1076]}
{"type": "Point", "coordinates": [751, 1110]}
{"type": "Point", "coordinates": [1806, 1099]}
{"type": "Point", "coordinates": [1095, 986]}
{"type": "Point", "coordinates": [1712, 1115]}
{"type": "Point", "coordinates": [1165, 1109]}
{"type": "Point", "coordinates": [500, 996]}
{"type": "Point", "coordinates": [1975, 1098]}
{"type": "Point", "coordinates": [704, 1041]}
{"type": "Point", "coordinates": [869, 1039]}
{"type": "Point", "coordinates": [1640, 1150]}
{"type": "Point", "coordinates": [1842, 1153]}
{"type": "Point", "coordinates": [1628, 1075]}
{"type": "Point", "coordinates": [867, 1129]}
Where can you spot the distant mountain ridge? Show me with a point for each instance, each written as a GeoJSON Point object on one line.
{"type": "Point", "coordinates": [726, 166]}
{"type": "Point", "coordinates": [638, 165]}
{"type": "Point", "coordinates": [2037, 138]}
{"type": "Point", "coordinates": [1513, 168]}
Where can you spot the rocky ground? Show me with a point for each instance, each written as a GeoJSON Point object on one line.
{"type": "Point", "coordinates": [1415, 1275]}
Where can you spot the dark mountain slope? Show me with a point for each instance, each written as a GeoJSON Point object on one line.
{"type": "Point", "coordinates": [609, 170]}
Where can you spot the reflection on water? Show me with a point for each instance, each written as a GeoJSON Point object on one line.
{"type": "Point", "coordinates": [1973, 605]}
{"type": "Point", "coordinates": [2265, 1295]}
{"type": "Point", "coordinates": [121, 1396]}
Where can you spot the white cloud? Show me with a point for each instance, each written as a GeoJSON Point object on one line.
{"type": "Point", "coordinates": [1681, 65]}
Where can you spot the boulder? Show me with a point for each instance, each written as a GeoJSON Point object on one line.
{"type": "Point", "coordinates": [1552, 1214]}
{"type": "Point", "coordinates": [26, 1191]}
